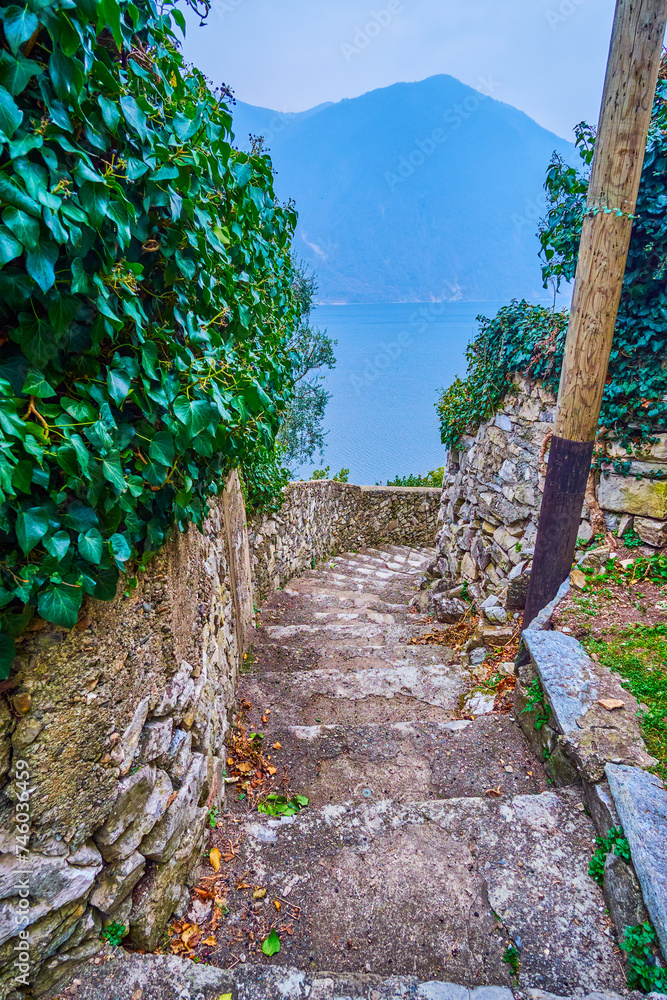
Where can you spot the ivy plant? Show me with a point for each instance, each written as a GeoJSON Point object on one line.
{"type": "Point", "coordinates": [528, 340]}
{"type": "Point", "coordinates": [147, 300]}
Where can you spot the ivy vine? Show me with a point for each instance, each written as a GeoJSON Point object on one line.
{"type": "Point", "coordinates": [528, 340]}
{"type": "Point", "coordinates": [147, 301]}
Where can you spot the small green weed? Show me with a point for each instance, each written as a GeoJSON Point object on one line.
{"type": "Point", "coordinates": [213, 817]}
{"type": "Point", "coordinates": [511, 958]}
{"type": "Point", "coordinates": [280, 805]}
{"type": "Point", "coordinates": [614, 840]}
{"type": "Point", "coordinates": [114, 934]}
{"type": "Point", "coordinates": [537, 704]}
{"type": "Point", "coordinates": [641, 945]}
{"type": "Point", "coordinates": [631, 539]}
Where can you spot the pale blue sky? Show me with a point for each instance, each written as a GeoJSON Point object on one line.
{"type": "Point", "coordinates": [546, 57]}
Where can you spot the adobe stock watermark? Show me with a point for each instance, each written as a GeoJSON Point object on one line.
{"type": "Point", "coordinates": [534, 210]}
{"type": "Point", "coordinates": [392, 350]}
{"type": "Point", "coordinates": [364, 34]}
{"type": "Point", "coordinates": [21, 947]}
{"type": "Point", "coordinates": [453, 118]}
{"type": "Point", "coordinates": [560, 14]}
{"type": "Point", "coordinates": [225, 7]}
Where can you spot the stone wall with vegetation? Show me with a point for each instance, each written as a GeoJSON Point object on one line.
{"type": "Point", "coordinates": [492, 493]}
{"type": "Point", "coordinates": [320, 518]}
{"type": "Point", "coordinates": [119, 723]}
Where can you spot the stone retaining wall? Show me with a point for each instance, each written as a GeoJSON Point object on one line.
{"type": "Point", "coordinates": [492, 493]}
{"type": "Point", "coordinates": [114, 732]}
{"type": "Point", "coordinates": [320, 518]}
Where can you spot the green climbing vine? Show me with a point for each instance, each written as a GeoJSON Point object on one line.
{"type": "Point", "coordinates": [147, 301]}
{"type": "Point", "coordinates": [528, 340]}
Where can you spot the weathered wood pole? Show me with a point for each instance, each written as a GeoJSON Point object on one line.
{"type": "Point", "coordinates": [625, 115]}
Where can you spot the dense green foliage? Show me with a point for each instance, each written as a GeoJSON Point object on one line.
{"type": "Point", "coordinates": [520, 340]}
{"type": "Point", "coordinates": [528, 340]}
{"type": "Point", "coordinates": [432, 478]}
{"type": "Point", "coordinates": [640, 944]}
{"type": "Point", "coordinates": [301, 433]}
{"type": "Point", "coordinates": [147, 298]}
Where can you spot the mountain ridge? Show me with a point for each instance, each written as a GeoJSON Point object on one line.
{"type": "Point", "coordinates": [412, 192]}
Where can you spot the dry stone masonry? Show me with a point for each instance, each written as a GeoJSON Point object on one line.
{"type": "Point", "coordinates": [493, 490]}
{"type": "Point", "coordinates": [119, 725]}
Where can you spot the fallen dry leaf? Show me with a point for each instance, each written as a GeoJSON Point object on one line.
{"type": "Point", "coordinates": [214, 858]}
{"type": "Point", "coordinates": [191, 936]}
{"type": "Point", "coordinates": [265, 718]}
{"type": "Point", "coordinates": [210, 941]}
{"type": "Point", "coordinates": [171, 798]}
{"type": "Point", "coordinates": [137, 995]}
{"type": "Point", "coordinates": [259, 894]}
{"type": "Point", "coordinates": [272, 770]}
{"type": "Point", "coordinates": [611, 703]}
{"type": "Point", "coordinates": [277, 904]}
{"type": "Point", "coordinates": [494, 791]}
{"type": "Point", "coordinates": [244, 767]}
{"type": "Point", "coordinates": [277, 746]}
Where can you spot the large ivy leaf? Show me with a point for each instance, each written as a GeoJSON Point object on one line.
{"type": "Point", "coordinates": [36, 385]}
{"type": "Point", "coordinates": [10, 115]}
{"type": "Point", "coordinates": [40, 264]}
{"type": "Point", "coordinates": [118, 384]}
{"type": "Point", "coordinates": [19, 24]}
{"type": "Point", "coordinates": [194, 414]}
{"type": "Point", "coordinates": [91, 545]}
{"type": "Point", "coordinates": [10, 248]}
{"type": "Point", "coordinates": [24, 227]}
{"type": "Point", "coordinates": [60, 604]}
{"type": "Point", "coordinates": [31, 526]}
{"type": "Point", "coordinates": [58, 544]}
{"type": "Point", "coordinates": [162, 448]}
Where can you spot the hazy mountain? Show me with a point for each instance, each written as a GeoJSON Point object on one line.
{"type": "Point", "coordinates": [416, 191]}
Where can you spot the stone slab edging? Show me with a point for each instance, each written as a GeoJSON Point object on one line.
{"type": "Point", "coordinates": [641, 801]}
{"type": "Point", "coordinates": [584, 740]}
{"type": "Point", "coordinates": [163, 977]}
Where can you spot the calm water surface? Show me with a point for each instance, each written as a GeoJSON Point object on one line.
{"type": "Point", "coordinates": [392, 360]}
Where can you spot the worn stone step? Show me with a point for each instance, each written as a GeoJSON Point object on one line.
{"type": "Point", "coordinates": [163, 977]}
{"type": "Point", "coordinates": [435, 889]}
{"type": "Point", "coordinates": [405, 761]}
{"type": "Point", "coordinates": [346, 683]}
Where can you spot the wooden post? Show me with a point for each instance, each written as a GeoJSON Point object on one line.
{"type": "Point", "coordinates": [627, 101]}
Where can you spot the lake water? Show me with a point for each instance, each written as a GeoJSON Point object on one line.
{"type": "Point", "coordinates": [392, 360]}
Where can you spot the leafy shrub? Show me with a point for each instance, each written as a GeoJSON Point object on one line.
{"type": "Point", "coordinates": [147, 300]}
{"type": "Point", "coordinates": [521, 339]}
{"type": "Point", "coordinates": [634, 404]}
{"type": "Point", "coordinates": [432, 478]}
{"type": "Point", "coordinates": [528, 340]}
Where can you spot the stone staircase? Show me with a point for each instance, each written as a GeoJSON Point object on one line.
{"type": "Point", "coordinates": [433, 851]}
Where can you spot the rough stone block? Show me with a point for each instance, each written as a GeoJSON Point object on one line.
{"type": "Point", "coordinates": [155, 739]}
{"type": "Point", "coordinates": [651, 531]}
{"type": "Point", "coordinates": [643, 497]}
{"type": "Point", "coordinates": [442, 991]}
{"type": "Point", "coordinates": [140, 804]}
{"type": "Point", "coordinates": [623, 894]}
{"type": "Point", "coordinates": [54, 884]}
{"type": "Point", "coordinates": [115, 882]}
{"type": "Point", "coordinates": [180, 816]}
{"type": "Point", "coordinates": [641, 801]}
{"type": "Point", "coordinates": [601, 806]}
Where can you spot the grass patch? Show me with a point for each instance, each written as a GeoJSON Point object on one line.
{"type": "Point", "coordinates": [639, 654]}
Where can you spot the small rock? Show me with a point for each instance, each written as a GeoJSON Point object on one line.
{"type": "Point", "coordinates": [578, 579]}
{"type": "Point", "coordinates": [22, 702]}
{"type": "Point", "coordinates": [448, 609]}
{"type": "Point", "coordinates": [497, 616]}
{"type": "Point", "coordinates": [477, 656]}
{"type": "Point", "coordinates": [491, 602]}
